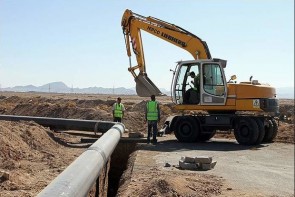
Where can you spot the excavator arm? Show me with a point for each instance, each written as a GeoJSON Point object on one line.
{"type": "Point", "coordinates": [132, 25]}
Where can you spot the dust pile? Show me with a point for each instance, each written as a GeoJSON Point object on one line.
{"type": "Point", "coordinates": [31, 157]}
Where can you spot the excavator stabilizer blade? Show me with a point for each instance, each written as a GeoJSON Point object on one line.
{"type": "Point", "coordinates": [145, 87]}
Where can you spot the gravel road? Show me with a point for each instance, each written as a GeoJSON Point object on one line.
{"type": "Point", "coordinates": [264, 170]}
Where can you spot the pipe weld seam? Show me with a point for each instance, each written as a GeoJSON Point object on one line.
{"type": "Point", "coordinates": [100, 151]}
{"type": "Point", "coordinates": [118, 129]}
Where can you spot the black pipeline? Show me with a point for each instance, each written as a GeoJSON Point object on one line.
{"type": "Point", "coordinates": [64, 124]}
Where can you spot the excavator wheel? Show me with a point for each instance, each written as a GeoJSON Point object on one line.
{"type": "Point", "coordinates": [261, 131]}
{"type": "Point", "coordinates": [206, 136]}
{"type": "Point", "coordinates": [187, 129]}
{"type": "Point", "coordinates": [271, 131]}
{"type": "Point", "coordinates": [246, 131]}
{"type": "Point", "coordinates": [275, 129]}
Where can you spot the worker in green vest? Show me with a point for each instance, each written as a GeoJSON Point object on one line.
{"type": "Point", "coordinates": [118, 110]}
{"type": "Point", "coordinates": [152, 117]}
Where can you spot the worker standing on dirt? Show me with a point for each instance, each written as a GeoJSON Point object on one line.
{"type": "Point", "coordinates": [152, 117]}
{"type": "Point", "coordinates": [118, 110]}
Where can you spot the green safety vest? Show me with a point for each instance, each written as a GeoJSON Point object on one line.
{"type": "Point", "coordinates": [152, 110]}
{"type": "Point", "coordinates": [118, 110]}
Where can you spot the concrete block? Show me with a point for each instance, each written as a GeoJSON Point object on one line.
{"type": "Point", "coordinates": [209, 166]}
{"type": "Point", "coordinates": [203, 159]}
{"type": "Point", "coordinates": [188, 159]}
{"type": "Point", "coordinates": [188, 166]}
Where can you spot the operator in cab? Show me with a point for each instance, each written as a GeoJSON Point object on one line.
{"type": "Point", "coordinates": [196, 81]}
{"type": "Point", "coordinates": [192, 95]}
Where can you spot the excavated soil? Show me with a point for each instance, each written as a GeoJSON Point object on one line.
{"type": "Point", "coordinates": [31, 155]}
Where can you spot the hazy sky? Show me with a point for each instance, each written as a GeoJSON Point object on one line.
{"type": "Point", "coordinates": [81, 42]}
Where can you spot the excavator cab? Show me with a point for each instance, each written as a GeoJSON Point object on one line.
{"type": "Point", "coordinates": [208, 87]}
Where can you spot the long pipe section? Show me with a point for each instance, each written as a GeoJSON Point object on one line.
{"type": "Point", "coordinates": [64, 124]}
{"type": "Point", "coordinates": [79, 177]}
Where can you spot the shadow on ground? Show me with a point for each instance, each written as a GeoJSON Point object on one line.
{"type": "Point", "coordinates": [214, 145]}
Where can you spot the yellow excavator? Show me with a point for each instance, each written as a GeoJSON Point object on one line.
{"type": "Point", "coordinates": [247, 108]}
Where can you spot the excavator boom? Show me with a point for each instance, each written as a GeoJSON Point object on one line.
{"type": "Point", "coordinates": [132, 25]}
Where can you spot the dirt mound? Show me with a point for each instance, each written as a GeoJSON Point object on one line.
{"type": "Point", "coordinates": [179, 184]}
{"type": "Point", "coordinates": [138, 107]}
{"type": "Point", "coordinates": [23, 140]}
{"type": "Point", "coordinates": [31, 156]}
{"type": "Point", "coordinates": [90, 109]}
{"type": "Point", "coordinates": [286, 122]}
{"type": "Point", "coordinates": [287, 113]}
{"type": "Point", "coordinates": [285, 133]}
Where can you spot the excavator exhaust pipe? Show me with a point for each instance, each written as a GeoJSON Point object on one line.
{"type": "Point", "coordinates": [145, 87]}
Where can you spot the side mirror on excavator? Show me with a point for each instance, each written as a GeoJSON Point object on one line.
{"type": "Point", "coordinates": [172, 71]}
{"type": "Point", "coordinates": [232, 78]}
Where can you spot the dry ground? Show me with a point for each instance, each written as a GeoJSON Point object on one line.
{"type": "Point", "coordinates": [33, 155]}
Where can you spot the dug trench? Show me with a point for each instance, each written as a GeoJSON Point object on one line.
{"type": "Point", "coordinates": [122, 161]}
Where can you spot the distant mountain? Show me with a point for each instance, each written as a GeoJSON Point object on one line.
{"type": "Point", "coordinates": [60, 87]}
{"type": "Point", "coordinates": [50, 87]}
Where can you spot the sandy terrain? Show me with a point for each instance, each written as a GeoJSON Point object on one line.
{"type": "Point", "coordinates": [264, 171]}
{"type": "Point", "coordinates": [33, 155]}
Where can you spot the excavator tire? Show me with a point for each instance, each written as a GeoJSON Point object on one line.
{"type": "Point", "coordinates": [246, 131]}
{"type": "Point", "coordinates": [206, 136]}
{"type": "Point", "coordinates": [187, 129]}
{"type": "Point", "coordinates": [275, 129]}
{"type": "Point", "coordinates": [261, 131]}
{"type": "Point", "coordinates": [269, 132]}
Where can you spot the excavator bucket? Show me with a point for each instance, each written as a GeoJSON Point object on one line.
{"type": "Point", "coordinates": [145, 87]}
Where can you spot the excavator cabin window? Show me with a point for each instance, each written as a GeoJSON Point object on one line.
{"type": "Point", "coordinates": [188, 84]}
{"type": "Point", "coordinates": [212, 80]}
{"type": "Point", "coordinates": [192, 82]}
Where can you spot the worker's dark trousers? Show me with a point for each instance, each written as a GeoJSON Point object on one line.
{"type": "Point", "coordinates": [152, 124]}
{"type": "Point", "coordinates": [117, 119]}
